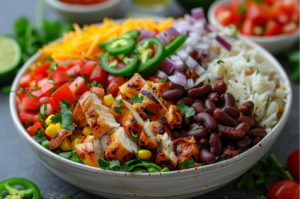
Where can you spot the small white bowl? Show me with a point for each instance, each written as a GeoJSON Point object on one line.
{"type": "Point", "coordinates": [274, 44]}
{"type": "Point", "coordinates": [85, 14]}
{"type": "Point", "coordinates": [174, 184]}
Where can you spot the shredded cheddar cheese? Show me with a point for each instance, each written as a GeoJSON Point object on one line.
{"type": "Point", "coordinates": [84, 43]}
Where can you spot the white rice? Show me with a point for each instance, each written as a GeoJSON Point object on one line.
{"type": "Point", "coordinates": [261, 87]}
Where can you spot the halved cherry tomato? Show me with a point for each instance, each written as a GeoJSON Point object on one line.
{"type": "Point", "coordinates": [98, 91]}
{"type": "Point", "coordinates": [60, 77]}
{"type": "Point", "coordinates": [26, 79]}
{"type": "Point", "coordinates": [273, 28]}
{"type": "Point", "coordinates": [285, 189]}
{"type": "Point", "coordinates": [292, 164]}
{"type": "Point", "coordinates": [154, 78]}
{"type": "Point", "coordinates": [42, 70]}
{"type": "Point", "coordinates": [30, 103]}
{"type": "Point", "coordinates": [88, 68]}
{"type": "Point", "coordinates": [34, 128]}
{"type": "Point", "coordinates": [99, 75]}
{"type": "Point", "coordinates": [61, 93]}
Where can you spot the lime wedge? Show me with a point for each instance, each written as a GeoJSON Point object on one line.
{"type": "Point", "coordinates": [10, 56]}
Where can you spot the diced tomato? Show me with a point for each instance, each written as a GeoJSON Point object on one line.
{"type": "Point", "coordinates": [42, 70]}
{"type": "Point", "coordinates": [38, 93]}
{"type": "Point", "coordinates": [26, 79]}
{"type": "Point", "coordinates": [225, 17]}
{"type": "Point", "coordinates": [98, 91]}
{"type": "Point", "coordinates": [80, 62]}
{"type": "Point", "coordinates": [60, 76]}
{"type": "Point", "coordinates": [64, 65]}
{"type": "Point", "coordinates": [113, 88]}
{"type": "Point", "coordinates": [78, 86]}
{"type": "Point", "coordinates": [47, 87]}
{"type": "Point", "coordinates": [75, 69]}
{"type": "Point", "coordinates": [38, 78]}
{"type": "Point", "coordinates": [235, 6]}
{"type": "Point", "coordinates": [119, 80]}
{"type": "Point", "coordinates": [220, 9]}
{"type": "Point", "coordinates": [30, 103]}
{"type": "Point", "coordinates": [30, 116]}
{"type": "Point", "coordinates": [21, 94]}
{"type": "Point", "coordinates": [247, 27]}
{"type": "Point", "coordinates": [236, 20]}
{"type": "Point", "coordinates": [289, 28]}
{"type": "Point", "coordinates": [154, 78]}
{"type": "Point", "coordinates": [273, 28]}
{"type": "Point", "coordinates": [34, 128]}
{"type": "Point", "coordinates": [62, 92]}
{"type": "Point", "coordinates": [285, 11]}
{"type": "Point", "coordinates": [258, 14]}
{"type": "Point", "coordinates": [258, 30]}
{"type": "Point", "coordinates": [88, 68]}
{"type": "Point", "coordinates": [99, 75]}
{"type": "Point", "coordinates": [269, 2]}
{"type": "Point", "coordinates": [42, 82]}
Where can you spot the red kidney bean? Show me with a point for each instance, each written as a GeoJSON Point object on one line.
{"type": "Point", "coordinates": [247, 108]}
{"type": "Point", "coordinates": [210, 106]}
{"type": "Point", "coordinates": [244, 142]}
{"type": "Point", "coordinates": [172, 94]}
{"type": "Point", "coordinates": [194, 124]}
{"type": "Point", "coordinates": [199, 100]}
{"type": "Point", "coordinates": [259, 132]}
{"type": "Point", "coordinates": [197, 133]}
{"type": "Point", "coordinates": [199, 107]}
{"type": "Point", "coordinates": [223, 118]}
{"type": "Point", "coordinates": [246, 119]}
{"type": "Point", "coordinates": [229, 100]}
{"type": "Point", "coordinates": [186, 100]}
{"type": "Point", "coordinates": [204, 143]}
{"type": "Point", "coordinates": [179, 133]}
{"type": "Point", "coordinates": [256, 140]}
{"type": "Point", "coordinates": [194, 54]}
{"type": "Point", "coordinates": [212, 131]}
{"type": "Point", "coordinates": [256, 125]}
{"type": "Point", "coordinates": [198, 85]}
{"type": "Point", "coordinates": [214, 97]}
{"type": "Point", "coordinates": [231, 146]}
{"type": "Point", "coordinates": [207, 119]}
{"type": "Point", "coordinates": [231, 111]}
{"type": "Point", "coordinates": [227, 153]}
{"type": "Point", "coordinates": [187, 121]}
{"type": "Point", "coordinates": [236, 133]}
{"type": "Point", "coordinates": [199, 92]}
{"type": "Point", "coordinates": [216, 144]}
{"type": "Point", "coordinates": [221, 100]}
{"type": "Point", "coordinates": [207, 157]}
{"type": "Point", "coordinates": [173, 86]}
{"type": "Point", "coordinates": [220, 88]}
{"type": "Point", "coordinates": [190, 73]}
{"type": "Point", "coordinates": [243, 149]}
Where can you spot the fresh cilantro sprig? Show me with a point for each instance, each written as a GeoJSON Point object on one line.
{"type": "Point", "coordinates": [118, 109]}
{"type": "Point", "coordinates": [40, 138]}
{"type": "Point", "coordinates": [65, 116]}
{"type": "Point", "coordinates": [164, 80]}
{"type": "Point", "coordinates": [188, 111]}
{"type": "Point", "coordinates": [220, 62]}
{"type": "Point", "coordinates": [71, 155]}
{"type": "Point", "coordinates": [136, 99]}
{"type": "Point", "coordinates": [188, 163]}
{"type": "Point", "coordinates": [29, 94]}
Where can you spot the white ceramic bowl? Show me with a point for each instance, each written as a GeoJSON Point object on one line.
{"type": "Point", "coordinates": [174, 184]}
{"type": "Point", "coordinates": [85, 14]}
{"type": "Point", "coordinates": [274, 44]}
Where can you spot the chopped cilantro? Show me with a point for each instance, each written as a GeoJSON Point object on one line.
{"type": "Point", "coordinates": [283, 102]}
{"type": "Point", "coordinates": [53, 66]}
{"type": "Point", "coordinates": [67, 63]}
{"type": "Point", "coordinates": [225, 71]}
{"type": "Point", "coordinates": [76, 85]}
{"type": "Point", "coordinates": [188, 111]}
{"type": "Point", "coordinates": [268, 99]}
{"type": "Point", "coordinates": [48, 59]}
{"type": "Point", "coordinates": [85, 78]}
{"type": "Point", "coordinates": [39, 136]}
{"type": "Point", "coordinates": [52, 82]}
{"type": "Point", "coordinates": [188, 163]}
{"type": "Point", "coordinates": [65, 117]}
{"type": "Point", "coordinates": [208, 80]}
{"type": "Point", "coordinates": [95, 84]}
{"type": "Point", "coordinates": [53, 90]}
{"type": "Point", "coordinates": [135, 139]}
{"type": "Point", "coordinates": [37, 89]}
{"type": "Point", "coordinates": [243, 8]}
{"type": "Point", "coordinates": [29, 123]}
{"type": "Point", "coordinates": [114, 163]}
{"type": "Point", "coordinates": [257, 71]}
{"type": "Point", "coordinates": [136, 99]}
{"type": "Point", "coordinates": [29, 94]}
{"type": "Point", "coordinates": [197, 127]}
{"type": "Point", "coordinates": [71, 155]}
{"type": "Point", "coordinates": [23, 90]}
{"type": "Point", "coordinates": [220, 61]}
{"type": "Point", "coordinates": [219, 159]}
{"type": "Point", "coordinates": [248, 60]}
{"type": "Point", "coordinates": [117, 109]}
{"type": "Point", "coordinates": [118, 100]}
{"type": "Point", "coordinates": [164, 80]}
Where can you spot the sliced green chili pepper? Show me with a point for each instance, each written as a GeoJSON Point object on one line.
{"type": "Point", "coordinates": [174, 44]}
{"type": "Point", "coordinates": [149, 63]}
{"type": "Point", "coordinates": [120, 46]}
{"type": "Point", "coordinates": [103, 44]}
{"type": "Point", "coordinates": [129, 69]}
{"type": "Point", "coordinates": [31, 190]}
{"type": "Point", "coordinates": [134, 34]}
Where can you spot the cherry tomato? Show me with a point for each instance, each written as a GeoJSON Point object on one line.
{"type": "Point", "coordinates": [293, 164]}
{"type": "Point", "coordinates": [273, 28]}
{"type": "Point", "coordinates": [154, 78]}
{"type": "Point", "coordinates": [285, 189]}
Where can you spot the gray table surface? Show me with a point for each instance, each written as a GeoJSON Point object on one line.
{"type": "Point", "coordinates": [16, 160]}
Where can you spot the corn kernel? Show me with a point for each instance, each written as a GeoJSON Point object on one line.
{"type": "Point", "coordinates": [76, 136]}
{"type": "Point", "coordinates": [66, 145]}
{"type": "Point", "coordinates": [87, 131]}
{"type": "Point", "coordinates": [74, 142]}
{"type": "Point", "coordinates": [51, 130]}
{"type": "Point", "coordinates": [57, 126]}
{"type": "Point", "coordinates": [48, 120]}
{"type": "Point", "coordinates": [108, 100]}
{"type": "Point", "coordinates": [282, 87]}
{"type": "Point", "coordinates": [144, 154]}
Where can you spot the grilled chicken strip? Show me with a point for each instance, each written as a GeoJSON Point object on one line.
{"type": "Point", "coordinates": [120, 147]}
{"type": "Point", "coordinates": [165, 155]}
{"type": "Point", "coordinates": [186, 148]}
{"type": "Point", "coordinates": [58, 138]}
{"type": "Point", "coordinates": [133, 86]}
{"type": "Point", "coordinates": [159, 89]}
{"type": "Point", "coordinates": [124, 111]}
{"type": "Point", "coordinates": [174, 117]}
{"type": "Point", "coordinates": [79, 119]}
{"type": "Point", "coordinates": [150, 108]}
{"type": "Point", "coordinates": [98, 116]}
{"type": "Point", "coordinates": [89, 150]}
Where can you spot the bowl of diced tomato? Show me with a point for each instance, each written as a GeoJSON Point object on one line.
{"type": "Point", "coordinates": [273, 24]}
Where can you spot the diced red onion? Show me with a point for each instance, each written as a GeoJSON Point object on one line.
{"type": "Point", "coordinates": [168, 66]}
{"type": "Point", "coordinates": [175, 58]}
{"type": "Point", "coordinates": [190, 62]}
{"type": "Point", "coordinates": [213, 77]}
{"type": "Point", "coordinates": [210, 28]}
{"type": "Point", "coordinates": [170, 33]}
{"type": "Point", "coordinates": [224, 43]}
{"type": "Point", "coordinates": [198, 13]}
{"type": "Point", "coordinates": [189, 18]}
{"type": "Point", "coordinates": [179, 79]}
{"type": "Point", "coordinates": [189, 84]}
{"type": "Point", "coordinates": [161, 74]}
{"type": "Point", "coordinates": [162, 39]}
{"type": "Point", "coordinates": [146, 34]}
{"type": "Point", "coordinates": [182, 54]}
{"type": "Point", "coordinates": [202, 46]}
{"type": "Point", "coordinates": [175, 72]}
{"type": "Point", "coordinates": [171, 78]}
{"type": "Point", "coordinates": [189, 49]}
{"type": "Point", "coordinates": [199, 70]}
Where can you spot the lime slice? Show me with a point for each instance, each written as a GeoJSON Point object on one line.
{"type": "Point", "coordinates": [10, 56]}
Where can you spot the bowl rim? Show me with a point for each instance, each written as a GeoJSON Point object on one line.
{"type": "Point", "coordinates": [82, 8]}
{"type": "Point", "coordinates": [261, 39]}
{"type": "Point", "coordinates": [177, 173]}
